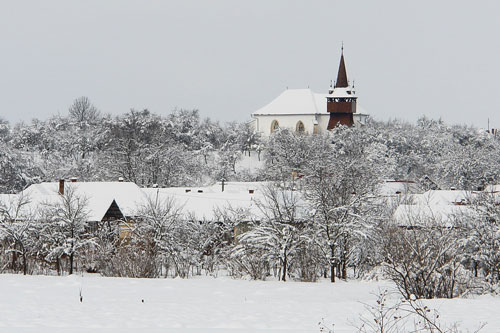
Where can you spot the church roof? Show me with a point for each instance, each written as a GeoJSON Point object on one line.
{"type": "Point", "coordinates": [295, 101]}
{"type": "Point", "coordinates": [300, 102]}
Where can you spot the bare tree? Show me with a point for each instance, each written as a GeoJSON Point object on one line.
{"type": "Point", "coordinates": [83, 111]}
{"type": "Point", "coordinates": [424, 258]}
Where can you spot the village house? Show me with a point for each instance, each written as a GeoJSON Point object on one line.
{"type": "Point", "coordinates": [122, 201]}
{"type": "Point", "coordinates": [442, 207]}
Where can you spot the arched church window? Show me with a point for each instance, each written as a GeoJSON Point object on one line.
{"type": "Point", "coordinates": [275, 126]}
{"type": "Point", "coordinates": [300, 128]}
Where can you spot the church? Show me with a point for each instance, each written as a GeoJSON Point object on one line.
{"type": "Point", "coordinates": [305, 111]}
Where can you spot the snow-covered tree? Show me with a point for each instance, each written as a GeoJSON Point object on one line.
{"type": "Point", "coordinates": [64, 227]}
{"type": "Point", "coordinates": [340, 185]}
{"type": "Point", "coordinates": [17, 229]}
{"type": "Point", "coordinates": [154, 231]}
{"type": "Point", "coordinates": [279, 233]}
{"type": "Point", "coordinates": [482, 242]}
{"type": "Point", "coordinates": [424, 256]}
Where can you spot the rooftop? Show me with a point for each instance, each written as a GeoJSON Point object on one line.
{"type": "Point", "coordinates": [301, 102]}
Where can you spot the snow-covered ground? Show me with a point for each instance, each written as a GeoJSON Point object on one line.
{"type": "Point", "coordinates": [203, 304]}
{"type": "Point", "coordinates": [251, 163]}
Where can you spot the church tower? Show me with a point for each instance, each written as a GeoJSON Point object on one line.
{"type": "Point", "coordinates": [341, 99]}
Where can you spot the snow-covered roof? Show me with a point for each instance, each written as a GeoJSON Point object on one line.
{"type": "Point", "coordinates": [99, 196]}
{"type": "Point", "coordinates": [393, 187]}
{"type": "Point", "coordinates": [492, 188]}
{"type": "Point", "coordinates": [298, 102]}
{"type": "Point", "coordinates": [295, 101]}
{"type": "Point", "coordinates": [203, 202]}
{"type": "Point", "coordinates": [421, 215]}
{"type": "Point", "coordinates": [9, 204]}
{"type": "Point", "coordinates": [6, 198]}
{"type": "Point", "coordinates": [342, 92]}
{"type": "Point", "coordinates": [443, 197]}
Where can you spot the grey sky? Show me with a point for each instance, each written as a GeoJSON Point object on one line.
{"type": "Point", "coordinates": [229, 58]}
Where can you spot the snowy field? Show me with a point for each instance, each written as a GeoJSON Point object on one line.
{"type": "Point", "coordinates": [204, 304]}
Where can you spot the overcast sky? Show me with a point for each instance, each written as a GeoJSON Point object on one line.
{"type": "Point", "coordinates": [229, 58]}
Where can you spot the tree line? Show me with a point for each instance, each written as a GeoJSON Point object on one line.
{"type": "Point", "coordinates": [321, 214]}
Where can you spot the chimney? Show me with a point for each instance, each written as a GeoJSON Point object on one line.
{"type": "Point", "coordinates": [61, 186]}
{"type": "Point", "coordinates": [120, 179]}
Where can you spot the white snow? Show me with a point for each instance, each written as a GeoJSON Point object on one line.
{"type": "Point", "coordinates": [418, 215]}
{"type": "Point", "coordinates": [200, 201]}
{"type": "Point", "coordinates": [203, 202]}
{"type": "Point", "coordinates": [251, 163]}
{"type": "Point", "coordinates": [203, 304]}
{"type": "Point", "coordinates": [443, 197]}
{"type": "Point", "coordinates": [295, 101]}
{"type": "Point", "coordinates": [99, 196]}
{"type": "Point", "coordinates": [343, 92]}
{"type": "Point", "coordinates": [394, 187]}
{"type": "Point", "coordinates": [301, 102]}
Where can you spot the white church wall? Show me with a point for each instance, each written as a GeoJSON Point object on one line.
{"type": "Point", "coordinates": [323, 120]}
{"type": "Point", "coordinates": [264, 122]}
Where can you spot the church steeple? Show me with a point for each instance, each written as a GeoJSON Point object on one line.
{"type": "Point", "coordinates": [341, 100]}
{"type": "Point", "coordinates": [342, 75]}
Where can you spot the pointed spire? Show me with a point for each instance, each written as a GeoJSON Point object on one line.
{"type": "Point", "coordinates": [342, 75]}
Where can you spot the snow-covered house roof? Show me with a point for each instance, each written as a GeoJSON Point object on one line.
{"type": "Point", "coordinates": [492, 188]}
{"type": "Point", "coordinates": [435, 206]}
{"type": "Point", "coordinates": [298, 102]}
{"type": "Point", "coordinates": [6, 198]}
{"type": "Point", "coordinates": [422, 215]}
{"type": "Point", "coordinates": [393, 187]}
{"type": "Point", "coordinates": [99, 195]}
{"type": "Point", "coordinates": [8, 205]}
{"type": "Point", "coordinates": [203, 203]}
{"type": "Point", "coordinates": [443, 197]}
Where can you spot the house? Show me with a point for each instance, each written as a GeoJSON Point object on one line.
{"type": "Point", "coordinates": [422, 215]}
{"type": "Point", "coordinates": [304, 111]}
{"type": "Point", "coordinates": [122, 201]}
{"type": "Point", "coordinates": [441, 207]}
{"type": "Point", "coordinates": [103, 201]}
{"type": "Point", "coordinates": [206, 203]}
